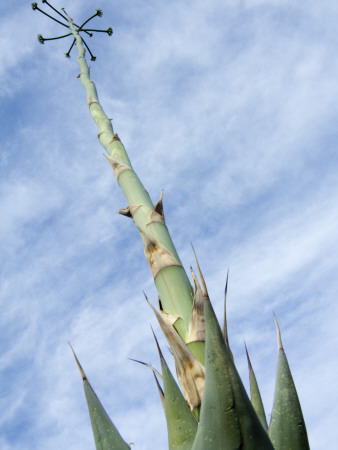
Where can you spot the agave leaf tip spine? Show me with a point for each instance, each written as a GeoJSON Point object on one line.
{"type": "Point", "coordinates": [205, 290]}
{"type": "Point", "coordinates": [147, 365]}
{"type": "Point", "coordinates": [160, 390]}
{"type": "Point", "coordinates": [247, 356]}
{"type": "Point", "coordinates": [225, 322]}
{"type": "Point", "coordinates": [279, 336]}
{"type": "Point", "coordinates": [82, 372]}
{"type": "Point", "coordinates": [157, 344]}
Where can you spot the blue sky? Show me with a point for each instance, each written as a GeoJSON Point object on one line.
{"type": "Point", "coordinates": [232, 109]}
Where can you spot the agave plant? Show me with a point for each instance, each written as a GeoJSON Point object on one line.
{"type": "Point", "coordinates": [209, 408]}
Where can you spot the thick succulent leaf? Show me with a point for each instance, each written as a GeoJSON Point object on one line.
{"type": "Point", "coordinates": [287, 427]}
{"type": "Point", "coordinates": [106, 435]}
{"type": "Point", "coordinates": [181, 424]}
{"type": "Point", "coordinates": [256, 398]}
{"type": "Point", "coordinates": [228, 420]}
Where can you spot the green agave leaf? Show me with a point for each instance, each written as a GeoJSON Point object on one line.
{"type": "Point", "coordinates": [181, 423]}
{"type": "Point", "coordinates": [256, 398]}
{"type": "Point", "coordinates": [287, 427]}
{"type": "Point", "coordinates": [106, 435]}
{"type": "Point", "coordinates": [228, 420]}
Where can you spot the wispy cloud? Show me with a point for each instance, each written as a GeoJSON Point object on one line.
{"type": "Point", "coordinates": [229, 107]}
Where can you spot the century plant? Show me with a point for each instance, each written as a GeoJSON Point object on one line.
{"type": "Point", "coordinates": [210, 409]}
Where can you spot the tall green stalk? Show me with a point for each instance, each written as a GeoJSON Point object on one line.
{"type": "Point", "coordinates": [171, 280]}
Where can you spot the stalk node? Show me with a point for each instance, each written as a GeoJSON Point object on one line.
{"type": "Point", "coordinates": [115, 137]}
{"type": "Point", "coordinates": [91, 101]}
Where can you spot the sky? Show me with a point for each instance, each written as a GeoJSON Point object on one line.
{"type": "Point", "coordinates": [230, 107]}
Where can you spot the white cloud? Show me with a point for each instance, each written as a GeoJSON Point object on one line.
{"type": "Point", "coordinates": [231, 109]}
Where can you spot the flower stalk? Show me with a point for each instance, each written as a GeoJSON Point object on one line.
{"type": "Point", "coordinates": [170, 278]}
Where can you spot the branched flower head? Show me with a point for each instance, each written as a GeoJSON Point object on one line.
{"type": "Point", "coordinates": [67, 22]}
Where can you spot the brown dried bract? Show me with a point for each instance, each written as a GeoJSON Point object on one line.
{"type": "Point", "coordinates": [205, 290]}
{"type": "Point", "coordinates": [170, 317]}
{"type": "Point", "coordinates": [197, 322]}
{"type": "Point", "coordinates": [157, 214]}
{"type": "Point", "coordinates": [190, 371]}
{"type": "Point", "coordinates": [129, 211]}
{"type": "Point", "coordinates": [117, 166]}
{"type": "Point", "coordinates": [115, 137]}
{"type": "Point", "coordinates": [157, 255]}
